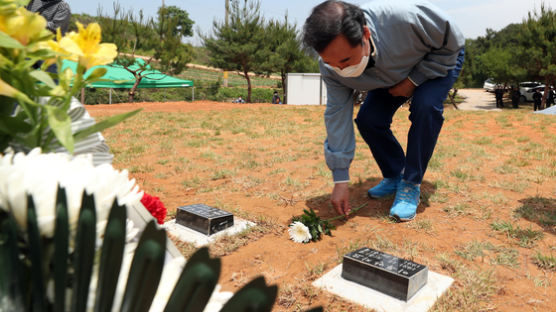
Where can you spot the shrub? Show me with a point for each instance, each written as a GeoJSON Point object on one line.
{"type": "Point", "coordinates": [209, 91]}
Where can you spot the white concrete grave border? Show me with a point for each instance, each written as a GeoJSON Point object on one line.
{"type": "Point", "coordinates": [422, 301]}
{"type": "Point", "coordinates": [199, 239]}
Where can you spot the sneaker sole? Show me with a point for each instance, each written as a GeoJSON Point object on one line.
{"type": "Point", "coordinates": [404, 219]}
{"type": "Point", "coordinates": [381, 197]}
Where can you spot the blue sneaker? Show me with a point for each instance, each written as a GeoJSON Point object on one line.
{"type": "Point", "coordinates": [385, 188]}
{"type": "Point", "coordinates": [406, 202]}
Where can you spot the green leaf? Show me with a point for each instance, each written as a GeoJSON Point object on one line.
{"type": "Point", "coordinates": [313, 213]}
{"type": "Point", "coordinates": [61, 242]}
{"type": "Point", "coordinates": [11, 125]}
{"type": "Point", "coordinates": [43, 77]}
{"type": "Point", "coordinates": [11, 274]}
{"type": "Point", "coordinates": [60, 123]}
{"type": "Point", "coordinates": [28, 106]}
{"type": "Point", "coordinates": [196, 283]}
{"type": "Point", "coordinates": [256, 296]}
{"type": "Point", "coordinates": [96, 74]}
{"type": "Point", "coordinates": [107, 123]}
{"type": "Point", "coordinates": [147, 264]}
{"type": "Point", "coordinates": [84, 253]}
{"type": "Point", "coordinates": [319, 227]}
{"type": "Point", "coordinates": [9, 42]}
{"type": "Point", "coordinates": [36, 257]}
{"type": "Point", "coordinates": [7, 106]}
{"type": "Point", "coordinates": [111, 257]}
{"type": "Point", "coordinates": [315, 234]}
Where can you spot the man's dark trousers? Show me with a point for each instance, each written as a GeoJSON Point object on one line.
{"type": "Point", "coordinates": [427, 105]}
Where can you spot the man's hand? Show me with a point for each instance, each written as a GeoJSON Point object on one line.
{"type": "Point", "coordinates": [404, 88]}
{"type": "Point", "coordinates": [340, 198]}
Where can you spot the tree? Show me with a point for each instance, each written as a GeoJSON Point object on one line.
{"type": "Point", "coordinates": [538, 40]}
{"type": "Point", "coordinates": [285, 53]}
{"type": "Point", "coordinates": [129, 33]}
{"type": "Point", "coordinates": [473, 73]}
{"type": "Point", "coordinates": [173, 55]}
{"type": "Point", "coordinates": [501, 63]}
{"type": "Point", "coordinates": [183, 24]}
{"type": "Point", "coordinates": [525, 51]}
{"type": "Point", "coordinates": [134, 33]}
{"type": "Point", "coordinates": [477, 66]}
{"type": "Point", "coordinates": [240, 44]}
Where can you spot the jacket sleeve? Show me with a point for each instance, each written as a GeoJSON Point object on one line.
{"type": "Point", "coordinates": [60, 19]}
{"type": "Point", "coordinates": [443, 39]}
{"type": "Point", "coordinates": [339, 145]}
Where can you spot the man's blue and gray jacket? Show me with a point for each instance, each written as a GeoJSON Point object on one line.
{"type": "Point", "coordinates": [411, 39]}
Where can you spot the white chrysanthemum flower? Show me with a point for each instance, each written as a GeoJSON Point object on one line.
{"type": "Point", "coordinates": [39, 174]}
{"type": "Point", "coordinates": [299, 233]}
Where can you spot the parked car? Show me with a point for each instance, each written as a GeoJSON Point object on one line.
{"type": "Point", "coordinates": [489, 85]}
{"type": "Point", "coordinates": [526, 89]}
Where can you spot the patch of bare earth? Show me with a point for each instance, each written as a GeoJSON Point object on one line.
{"type": "Point", "coordinates": [264, 162]}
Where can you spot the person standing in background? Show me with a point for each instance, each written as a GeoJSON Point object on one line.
{"type": "Point", "coordinates": [515, 97]}
{"type": "Point", "coordinates": [550, 97]}
{"type": "Point", "coordinates": [537, 99]}
{"type": "Point", "coordinates": [499, 94]}
{"type": "Point", "coordinates": [56, 12]}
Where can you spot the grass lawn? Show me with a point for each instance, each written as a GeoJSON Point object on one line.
{"type": "Point", "coordinates": [487, 215]}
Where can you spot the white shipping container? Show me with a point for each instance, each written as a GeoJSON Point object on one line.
{"type": "Point", "coordinates": [305, 89]}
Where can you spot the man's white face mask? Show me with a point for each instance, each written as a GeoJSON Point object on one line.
{"type": "Point", "coordinates": [353, 70]}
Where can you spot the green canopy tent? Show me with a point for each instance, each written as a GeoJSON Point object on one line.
{"type": "Point", "coordinates": [119, 77]}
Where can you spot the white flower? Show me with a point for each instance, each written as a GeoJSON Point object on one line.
{"type": "Point", "coordinates": [39, 174]}
{"type": "Point", "coordinates": [299, 233]}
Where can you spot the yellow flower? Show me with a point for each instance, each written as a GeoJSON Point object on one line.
{"type": "Point", "coordinates": [7, 7]}
{"type": "Point", "coordinates": [66, 78]}
{"type": "Point", "coordinates": [7, 90]}
{"type": "Point", "coordinates": [85, 46]}
{"type": "Point", "coordinates": [23, 26]}
{"type": "Point", "coordinates": [54, 46]}
{"type": "Point", "coordinates": [57, 91]}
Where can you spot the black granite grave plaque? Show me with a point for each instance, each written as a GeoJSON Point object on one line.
{"type": "Point", "coordinates": [388, 274]}
{"type": "Point", "coordinates": [205, 219]}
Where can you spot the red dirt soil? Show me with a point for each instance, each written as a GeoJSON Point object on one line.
{"type": "Point", "coordinates": [287, 264]}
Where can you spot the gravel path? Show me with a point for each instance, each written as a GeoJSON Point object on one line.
{"type": "Point", "coordinates": [477, 99]}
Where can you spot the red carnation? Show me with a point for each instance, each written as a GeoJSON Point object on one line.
{"type": "Point", "coordinates": [155, 207]}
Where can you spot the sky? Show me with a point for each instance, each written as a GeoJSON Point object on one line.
{"type": "Point", "coordinates": [472, 16]}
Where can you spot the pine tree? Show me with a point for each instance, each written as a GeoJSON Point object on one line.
{"type": "Point", "coordinates": [538, 40]}
{"type": "Point", "coordinates": [239, 45]}
{"type": "Point", "coordinates": [173, 24]}
{"type": "Point", "coordinates": [285, 53]}
{"type": "Point", "coordinates": [502, 64]}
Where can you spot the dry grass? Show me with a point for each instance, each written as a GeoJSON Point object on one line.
{"type": "Point", "coordinates": [489, 206]}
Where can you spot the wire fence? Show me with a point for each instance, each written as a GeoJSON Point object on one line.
{"type": "Point", "coordinates": [208, 85]}
{"type": "Point", "coordinates": [196, 93]}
